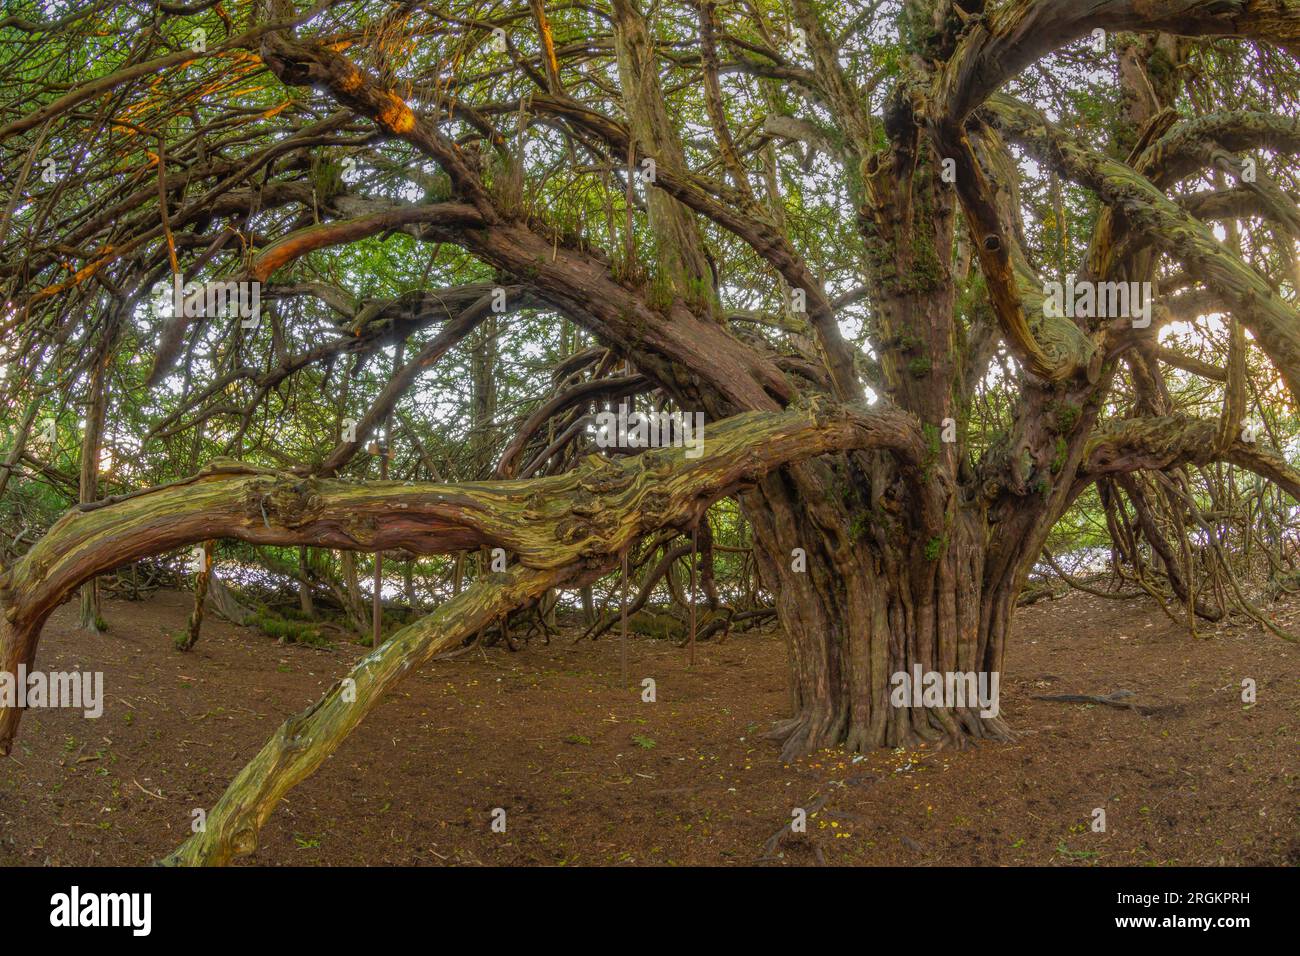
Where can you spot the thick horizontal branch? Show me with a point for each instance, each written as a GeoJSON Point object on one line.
{"type": "Point", "coordinates": [558, 522]}
{"type": "Point", "coordinates": [298, 244]}
{"type": "Point", "coordinates": [1136, 444]}
{"type": "Point", "coordinates": [1189, 147]}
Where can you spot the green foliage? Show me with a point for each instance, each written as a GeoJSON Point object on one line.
{"type": "Point", "coordinates": [289, 631]}
{"type": "Point", "coordinates": [1058, 459]}
{"type": "Point", "coordinates": [1063, 416]}
{"type": "Point", "coordinates": [439, 188]}
{"type": "Point", "coordinates": [655, 624]}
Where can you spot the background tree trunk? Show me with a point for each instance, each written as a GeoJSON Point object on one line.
{"type": "Point", "coordinates": [91, 618]}
{"type": "Point", "coordinates": [355, 608]}
{"type": "Point", "coordinates": [225, 603]}
{"type": "Point", "coordinates": [304, 584]}
{"type": "Point", "coordinates": [201, 580]}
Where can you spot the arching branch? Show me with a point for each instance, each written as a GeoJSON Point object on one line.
{"type": "Point", "coordinates": [547, 523]}
{"type": "Point", "coordinates": [1156, 443]}
{"type": "Point", "coordinates": [997, 47]}
{"type": "Point", "coordinates": [1274, 323]}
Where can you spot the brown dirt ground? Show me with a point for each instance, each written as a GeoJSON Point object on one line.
{"type": "Point", "coordinates": [588, 774]}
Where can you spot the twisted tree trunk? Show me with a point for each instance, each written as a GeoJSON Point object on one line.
{"type": "Point", "coordinates": [870, 606]}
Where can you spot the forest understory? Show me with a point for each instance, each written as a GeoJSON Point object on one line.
{"type": "Point", "coordinates": [589, 774]}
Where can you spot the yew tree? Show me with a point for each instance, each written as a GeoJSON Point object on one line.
{"type": "Point", "coordinates": [831, 228]}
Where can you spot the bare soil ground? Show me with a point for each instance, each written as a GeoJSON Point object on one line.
{"type": "Point", "coordinates": [589, 774]}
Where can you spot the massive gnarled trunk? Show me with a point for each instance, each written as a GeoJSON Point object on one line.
{"type": "Point", "coordinates": [866, 605]}
{"type": "Point", "coordinates": [874, 574]}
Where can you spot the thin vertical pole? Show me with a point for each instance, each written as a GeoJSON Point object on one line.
{"type": "Point", "coordinates": [622, 611]}
{"type": "Point", "coordinates": [385, 451]}
{"type": "Point", "coordinates": [377, 612]}
{"type": "Point", "coordinates": [695, 531]}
